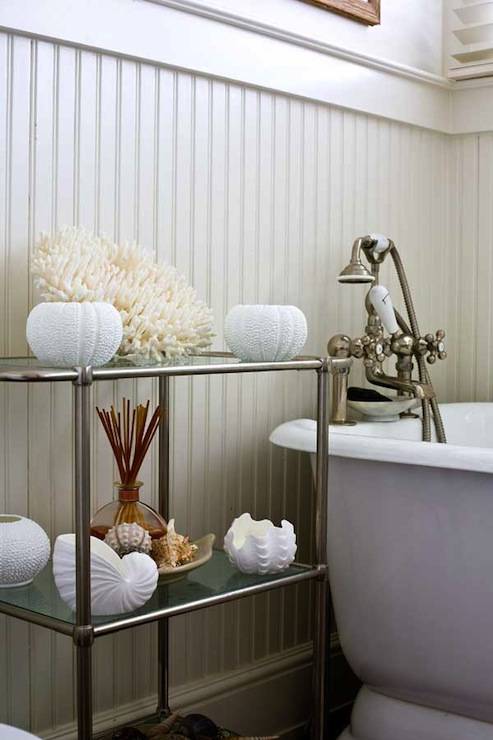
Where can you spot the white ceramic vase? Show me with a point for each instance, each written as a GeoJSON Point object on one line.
{"type": "Point", "coordinates": [265, 333]}
{"type": "Point", "coordinates": [74, 334]}
{"type": "Point", "coordinates": [117, 584]}
{"type": "Point", "coordinates": [258, 546]}
{"type": "Point", "coordinates": [24, 550]}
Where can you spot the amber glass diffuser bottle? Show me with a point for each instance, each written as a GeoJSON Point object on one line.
{"type": "Point", "coordinates": [130, 437]}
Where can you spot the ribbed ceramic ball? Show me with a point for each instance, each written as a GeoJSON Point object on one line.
{"type": "Point", "coordinates": [265, 333]}
{"type": "Point", "coordinates": [24, 550]}
{"type": "Point", "coordinates": [74, 334]}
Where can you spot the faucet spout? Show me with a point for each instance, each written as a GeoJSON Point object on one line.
{"type": "Point", "coordinates": [423, 391]}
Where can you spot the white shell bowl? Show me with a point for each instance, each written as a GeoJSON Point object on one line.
{"type": "Point", "coordinates": [265, 333]}
{"type": "Point", "coordinates": [118, 585]}
{"type": "Point", "coordinates": [260, 547]}
{"type": "Point", "coordinates": [24, 550]}
{"type": "Point", "coordinates": [74, 334]}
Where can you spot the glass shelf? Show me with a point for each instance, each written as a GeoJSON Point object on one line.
{"type": "Point", "coordinates": [29, 369]}
{"type": "Point", "coordinates": [213, 583]}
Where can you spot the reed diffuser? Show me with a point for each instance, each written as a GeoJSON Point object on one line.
{"type": "Point", "coordinates": [130, 434]}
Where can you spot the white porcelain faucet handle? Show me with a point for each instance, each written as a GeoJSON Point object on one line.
{"type": "Point", "coordinates": [382, 303]}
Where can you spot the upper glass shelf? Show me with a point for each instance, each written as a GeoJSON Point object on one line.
{"type": "Point", "coordinates": [213, 583]}
{"type": "Point", "coordinates": [30, 370]}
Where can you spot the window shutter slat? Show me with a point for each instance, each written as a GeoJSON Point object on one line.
{"type": "Point", "coordinates": [471, 39]}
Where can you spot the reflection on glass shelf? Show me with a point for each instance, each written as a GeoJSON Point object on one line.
{"type": "Point", "coordinates": [31, 369]}
{"type": "Point", "coordinates": [214, 582]}
{"type": "Point", "coordinates": [214, 358]}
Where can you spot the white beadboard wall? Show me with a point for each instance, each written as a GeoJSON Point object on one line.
{"type": "Point", "coordinates": [256, 197]}
{"type": "Point", "coordinates": [471, 254]}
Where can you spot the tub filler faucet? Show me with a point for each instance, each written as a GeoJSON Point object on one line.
{"type": "Point", "coordinates": [374, 347]}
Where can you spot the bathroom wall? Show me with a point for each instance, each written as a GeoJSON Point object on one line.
{"type": "Point", "coordinates": [410, 32]}
{"type": "Point", "coordinates": [470, 251]}
{"type": "Point", "coordinates": [256, 197]}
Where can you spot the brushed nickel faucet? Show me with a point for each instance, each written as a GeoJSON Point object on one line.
{"type": "Point", "coordinates": [374, 347]}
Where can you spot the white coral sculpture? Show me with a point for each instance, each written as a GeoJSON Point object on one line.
{"type": "Point", "coordinates": [161, 313]}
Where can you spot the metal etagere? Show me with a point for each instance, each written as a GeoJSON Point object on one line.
{"type": "Point", "coordinates": [214, 583]}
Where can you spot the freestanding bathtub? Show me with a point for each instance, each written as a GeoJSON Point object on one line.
{"type": "Point", "coordinates": [411, 571]}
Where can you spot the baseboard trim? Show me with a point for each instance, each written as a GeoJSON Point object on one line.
{"type": "Point", "coordinates": [220, 692]}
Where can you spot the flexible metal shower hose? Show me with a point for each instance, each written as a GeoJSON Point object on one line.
{"type": "Point", "coordinates": [424, 376]}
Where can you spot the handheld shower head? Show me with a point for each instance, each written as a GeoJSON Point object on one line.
{"type": "Point", "coordinates": [356, 272]}
{"type": "Point", "coordinates": [381, 301]}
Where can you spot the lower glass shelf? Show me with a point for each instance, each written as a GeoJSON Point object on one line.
{"type": "Point", "coordinates": [151, 723]}
{"type": "Point", "coordinates": [214, 583]}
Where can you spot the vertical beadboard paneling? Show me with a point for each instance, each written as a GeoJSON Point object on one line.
{"type": "Point", "coordinates": [484, 309]}
{"type": "Point", "coordinates": [468, 265]}
{"type": "Point", "coordinates": [255, 197]}
{"type": "Point", "coordinates": [471, 252]}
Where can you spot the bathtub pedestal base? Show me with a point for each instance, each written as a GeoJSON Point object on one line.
{"type": "Point", "coordinates": [410, 554]}
{"type": "Point", "coordinates": [379, 717]}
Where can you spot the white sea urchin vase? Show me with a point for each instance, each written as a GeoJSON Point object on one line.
{"type": "Point", "coordinates": [265, 333]}
{"type": "Point", "coordinates": [260, 547]}
{"type": "Point", "coordinates": [24, 550]}
{"type": "Point", "coordinates": [117, 584]}
{"type": "Point", "coordinates": [74, 334]}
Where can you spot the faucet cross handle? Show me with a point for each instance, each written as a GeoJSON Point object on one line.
{"type": "Point", "coordinates": [434, 345]}
{"type": "Point", "coordinates": [373, 348]}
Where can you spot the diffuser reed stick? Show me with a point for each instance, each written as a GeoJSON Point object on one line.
{"type": "Point", "coordinates": [130, 435]}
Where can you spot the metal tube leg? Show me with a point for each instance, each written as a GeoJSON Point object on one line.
{"type": "Point", "coordinates": [163, 668]}
{"type": "Point", "coordinates": [163, 624]}
{"type": "Point", "coordinates": [83, 631]}
{"type": "Point", "coordinates": [321, 637]}
{"type": "Point", "coordinates": [84, 692]}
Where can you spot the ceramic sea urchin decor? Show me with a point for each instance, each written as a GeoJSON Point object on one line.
{"type": "Point", "coordinates": [265, 333]}
{"type": "Point", "coordinates": [125, 538]}
{"type": "Point", "coordinates": [24, 550]}
{"type": "Point", "coordinates": [74, 334]}
{"type": "Point", "coordinates": [258, 546]}
{"type": "Point", "coordinates": [161, 313]}
{"type": "Point", "coordinates": [117, 584]}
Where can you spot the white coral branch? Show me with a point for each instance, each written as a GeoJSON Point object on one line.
{"type": "Point", "coordinates": [161, 313]}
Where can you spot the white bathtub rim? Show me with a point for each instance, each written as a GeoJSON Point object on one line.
{"type": "Point", "coordinates": [300, 434]}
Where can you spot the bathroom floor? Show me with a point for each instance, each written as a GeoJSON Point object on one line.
{"type": "Point", "coordinates": [152, 729]}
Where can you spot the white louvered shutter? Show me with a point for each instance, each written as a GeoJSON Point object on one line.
{"type": "Point", "coordinates": [471, 39]}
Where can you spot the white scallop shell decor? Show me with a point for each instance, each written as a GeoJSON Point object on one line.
{"type": "Point", "coordinates": [24, 550]}
{"type": "Point", "coordinates": [260, 547]}
{"type": "Point", "coordinates": [74, 334]}
{"type": "Point", "coordinates": [265, 333]}
{"type": "Point", "coordinates": [118, 585]}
